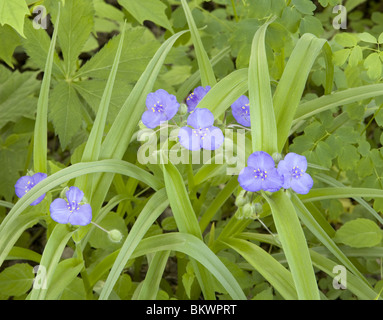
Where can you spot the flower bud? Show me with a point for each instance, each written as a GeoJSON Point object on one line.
{"type": "Point", "coordinates": [115, 235]}
{"type": "Point", "coordinates": [249, 210]}
{"type": "Point", "coordinates": [242, 199]}
{"type": "Point", "coordinates": [276, 157]}
{"type": "Point", "coordinates": [183, 109]}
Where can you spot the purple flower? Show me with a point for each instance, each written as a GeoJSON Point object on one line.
{"type": "Point", "coordinates": [293, 170]}
{"type": "Point", "coordinates": [71, 210]}
{"type": "Point", "coordinates": [241, 111]}
{"type": "Point", "coordinates": [204, 134]}
{"type": "Point", "coordinates": [260, 174]}
{"type": "Point", "coordinates": [161, 106]}
{"type": "Point", "coordinates": [26, 183]}
{"type": "Point", "coordinates": [196, 96]}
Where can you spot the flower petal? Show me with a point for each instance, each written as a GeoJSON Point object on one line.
{"type": "Point", "coordinates": [38, 177]}
{"type": "Point", "coordinates": [261, 160]}
{"type": "Point", "coordinates": [200, 118]}
{"type": "Point", "coordinates": [241, 111]}
{"type": "Point", "coordinates": [74, 195]}
{"type": "Point", "coordinates": [171, 106]}
{"type": "Point", "coordinates": [82, 216]}
{"type": "Point", "coordinates": [247, 180]}
{"type": "Point", "coordinates": [22, 185]}
{"type": "Point", "coordinates": [302, 185]}
{"type": "Point", "coordinates": [273, 182]}
{"type": "Point", "coordinates": [152, 119]}
{"type": "Point", "coordinates": [38, 200]}
{"type": "Point", "coordinates": [295, 160]}
{"type": "Point", "coordinates": [189, 140]}
{"type": "Point", "coordinates": [212, 138]}
{"type": "Point", "coordinates": [59, 211]}
{"type": "Point", "coordinates": [196, 96]}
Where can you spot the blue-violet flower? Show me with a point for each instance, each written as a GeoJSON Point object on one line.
{"type": "Point", "coordinates": [204, 134]}
{"type": "Point", "coordinates": [161, 106]}
{"type": "Point", "coordinates": [26, 183]}
{"type": "Point", "coordinates": [241, 111]}
{"type": "Point", "coordinates": [71, 210]}
{"type": "Point", "coordinates": [196, 96]}
{"type": "Point", "coordinates": [260, 174]}
{"type": "Point", "coordinates": [293, 170]}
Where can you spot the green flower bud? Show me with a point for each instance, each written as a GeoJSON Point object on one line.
{"type": "Point", "coordinates": [183, 109]}
{"type": "Point", "coordinates": [249, 210]}
{"type": "Point", "coordinates": [115, 235]}
{"type": "Point", "coordinates": [242, 199]}
{"type": "Point", "coordinates": [276, 157]}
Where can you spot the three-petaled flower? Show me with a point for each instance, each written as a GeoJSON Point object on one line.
{"type": "Point", "coordinates": [241, 111]}
{"type": "Point", "coordinates": [26, 183]}
{"type": "Point", "coordinates": [260, 174]}
{"type": "Point", "coordinates": [196, 96]}
{"type": "Point", "coordinates": [71, 210]}
{"type": "Point", "coordinates": [161, 106]}
{"type": "Point", "coordinates": [293, 170]}
{"type": "Point", "coordinates": [202, 134]}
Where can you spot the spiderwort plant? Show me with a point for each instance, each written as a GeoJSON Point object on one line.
{"type": "Point", "coordinates": [201, 133]}
{"type": "Point", "coordinates": [26, 183]}
{"type": "Point", "coordinates": [293, 170]}
{"type": "Point", "coordinates": [241, 111]}
{"type": "Point", "coordinates": [196, 96]}
{"type": "Point", "coordinates": [260, 174]}
{"type": "Point", "coordinates": [72, 209]}
{"type": "Point", "coordinates": [160, 106]}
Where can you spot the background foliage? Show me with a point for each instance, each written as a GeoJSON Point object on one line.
{"type": "Point", "coordinates": [342, 142]}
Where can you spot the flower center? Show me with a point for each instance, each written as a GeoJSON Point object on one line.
{"type": "Point", "coordinates": [296, 172]}
{"type": "Point", "coordinates": [192, 97]}
{"type": "Point", "coordinates": [158, 107]}
{"type": "Point", "coordinates": [245, 110]}
{"type": "Point", "coordinates": [73, 206]}
{"type": "Point", "coordinates": [201, 132]}
{"type": "Point", "coordinates": [29, 186]}
{"type": "Point", "coordinates": [260, 174]}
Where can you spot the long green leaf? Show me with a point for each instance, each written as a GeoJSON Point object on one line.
{"type": "Point", "coordinates": [65, 272]}
{"type": "Point", "coordinates": [278, 276]}
{"type": "Point", "coordinates": [323, 237]}
{"type": "Point", "coordinates": [263, 124]}
{"type": "Point", "coordinates": [153, 277]}
{"type": "Point", "coordinates": [340, 98]}
{"type": "Point", "coordinates": [186, 219]}
{"type": "Point", "coordinates": [40, 140]}
{"type": "Point", "coordinates": [50, 259]}
{"type": "Point", "coordinates": [338, 193]}
{"type": "Point", "coordinates": [93, 145]}
{"type": "Point", "coordinates": [153, 208]}
{"type": "Point", "coordinates": [294, 245]}
{"type": "Point", "coordinates": [196, 249]}
{"type": "Point", "coordinates": [293, 82]}
{"type": "Point", "coordinates": [204, 65]}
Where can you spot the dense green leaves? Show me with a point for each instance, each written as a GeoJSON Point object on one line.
{"type": "Point", "coordinates": [12, 13]}
{"type": "Point", "coordinates": [71, 100]}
